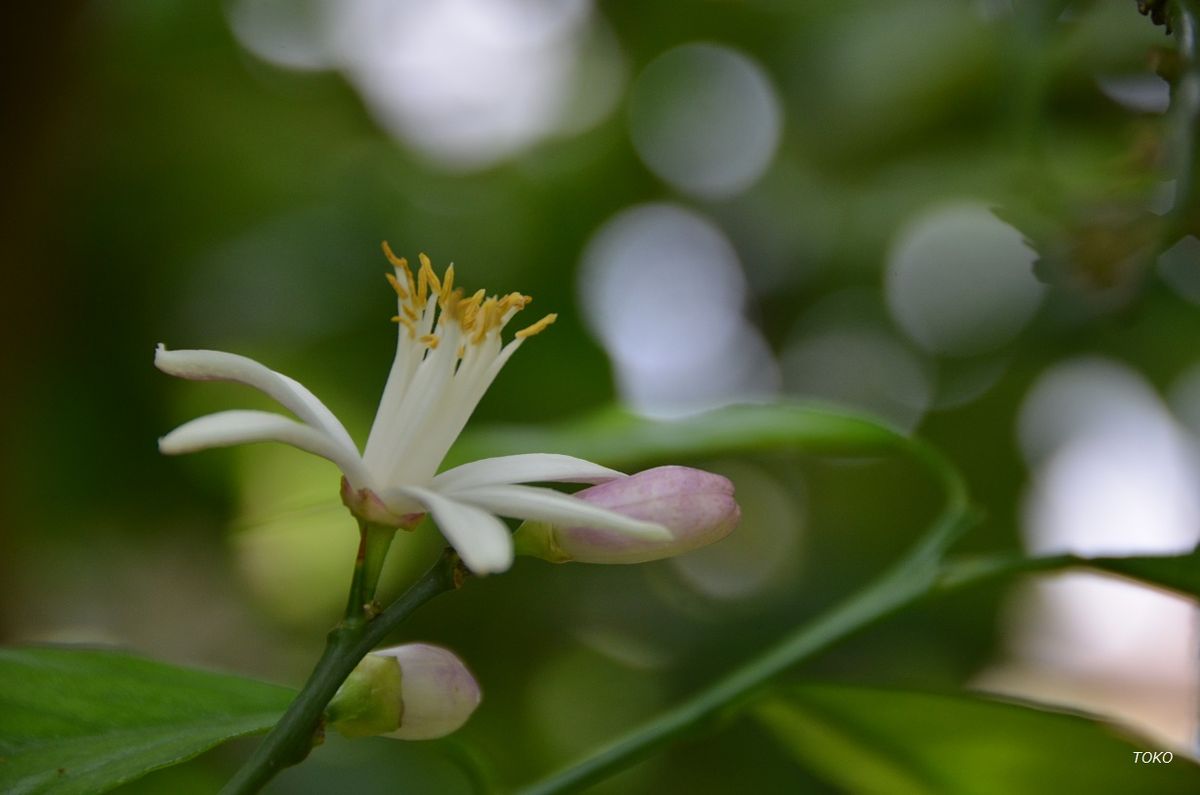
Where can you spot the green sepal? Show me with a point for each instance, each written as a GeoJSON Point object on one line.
{"type": "Point", "coordinates": [536, 540]}
{"type": "Point", "coordinates": [369, 702]}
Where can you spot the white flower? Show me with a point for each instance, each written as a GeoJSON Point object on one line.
{"type": "Point", "coordinates": [449, 352]}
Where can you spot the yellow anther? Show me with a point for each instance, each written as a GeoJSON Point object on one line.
{"type": "Point", "coordinates": [397, 262]}
{"type": "Point", "coordinates": [392, 280]}
{"type": "Point", "coordinates": [422, 291]}
{"type": "Point", "coordinates": [412, 285]}
{"type": "Point", "coordinates": [529, 331]}
{"type": "Point", "coordinates": [435, 284]}
{"type": "Point", "coordinates": [401, 265]}
{"type": "Point", "coordinates": [469, 310]}
{"type": "Point", "coordinates": [489, 313]}
{"type": "Point", "coordinates": [477, 316]}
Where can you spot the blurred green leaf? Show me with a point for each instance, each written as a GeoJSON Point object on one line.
{"type": "Point", "coordinates": [1179, 573]}
{"type": "Point", "coordinates": [76, 720]}
{"type": "Point", "coordinates": [1174, 572]}
{"type": "Point", "coordinates": [619, 438]}
{"type": "Point", "coordinates": [876, 740]}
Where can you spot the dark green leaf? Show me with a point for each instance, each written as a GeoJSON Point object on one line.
{"type": "Point", "coordinates": [76, 720]}
{"type": "Point", "coordinates": [876, 740]}
{"type": "Point", "coordinates": [1179, 573]}
{"type": "Point", "coordinates": [1175, 572]}
{"type": "Point", "coordinates": [618, 438]}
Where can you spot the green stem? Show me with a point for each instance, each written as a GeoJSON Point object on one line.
{"type": "Point", "coordinates": [293, 737]}
{"type": "Point", "coordinates": [920, 575]}
{"type": "Point", "coordinates": [915, 576]}
{"type": "Point", "coordinates": [1185, 110]}
{"type": "Point", "coordinates": [374, 541]}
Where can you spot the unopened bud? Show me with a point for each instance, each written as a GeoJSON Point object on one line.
{"type": "Point", "coordinates": [697, 507]}
{"type": "Point", "coordinates": [412, 692]}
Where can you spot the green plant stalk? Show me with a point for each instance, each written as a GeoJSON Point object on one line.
{"type": "Point", "coordinates": [1185, 111]}
{"type": "Point", "coordinates": [914, 576]}
{"type": "Point", "coordinates": [299, 730]}
{"type": "Point", "coordinates": [917, 577]}
{"type": "Point", "coordinates": [374, 541]}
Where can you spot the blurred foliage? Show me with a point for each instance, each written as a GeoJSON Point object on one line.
{"type": "Point", "coordinates": [874, 740]}
{"type": "Point", "coordinates": [166, 184]}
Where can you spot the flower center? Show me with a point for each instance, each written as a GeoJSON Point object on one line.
{"type": "Point", "coordinates": [449, 351]}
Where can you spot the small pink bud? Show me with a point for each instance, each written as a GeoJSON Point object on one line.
{"type": "Point", "coordinates": [697, 507]}
{"type": "Point", "coordinates": [412, 692]}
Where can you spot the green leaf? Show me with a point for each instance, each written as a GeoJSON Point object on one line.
{"type": "Point", "coordinates": [1179, 573]}
{"type": "Point", "coordinates": [618, 438]}
{"type": "Point", "coordinates": [1173, 572]}
{"type": "Point", "coordinates": [76, 720]}
{"type": "Point", "coordinates": [876, 740]}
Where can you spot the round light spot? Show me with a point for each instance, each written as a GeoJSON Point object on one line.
{"type": "Point", "coordinates": [466, 82]}
{"type": "Point", "coordinates": [1077, 398]}
{"type": "Point", "coordinates": [764, 549]}
{"type": "Point", "coordinates": [662, 289]}
{"type": "Point", "coordinates": [861, 368]}
{"type": "Point", "coordinates": [705, 119]}
{"type": "Point", "coordinates": [960, 281]}
{"type": "Point", "coordinates": [290, 33]}
{"type": "Point", "coordinates": [1142, 92]}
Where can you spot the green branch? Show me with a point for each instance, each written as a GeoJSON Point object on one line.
{"type": "Point", "coordinates": [920, 575]}
{"type": "Point", "coordinates": [904, 584]}
{"type": "Point", "coordinates": [294, 736]}
{"type": "Point", "coordinates": [914, 577]}
{"type": "Point", "coordinates": [1184, 218]}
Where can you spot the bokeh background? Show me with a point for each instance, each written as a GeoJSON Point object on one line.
{"type": "Point", "coordinates": [943, 213]}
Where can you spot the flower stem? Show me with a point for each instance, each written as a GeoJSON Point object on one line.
{"type": "Point", "coordinates": [373, 544]}
{"type": "Point", "coordinates": [300, 728]}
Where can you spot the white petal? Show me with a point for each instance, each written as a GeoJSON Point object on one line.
{"type": "Point", "coordinates": [525, 468]}
{"type": "Point", "coordinates": [482, 541]}
{"type": "Point", "coordinates": [388, 419]}
{"type": "Point", "coordinates": [198, 365]}
{"type": "Point", "coordinates": [227, 428]}
{"type": "Point", "coordinates": [547, 505]}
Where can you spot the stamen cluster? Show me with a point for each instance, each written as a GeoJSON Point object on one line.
{"type": "Point", "coordinates": [425, 295]}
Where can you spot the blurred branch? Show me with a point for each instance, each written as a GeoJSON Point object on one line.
{"type": "Point", "coordinates": [920, 575]}
{"type": "Point", "coordinates": [915, 576]}
{"type": "Point", "coordinates": [1185, 110]}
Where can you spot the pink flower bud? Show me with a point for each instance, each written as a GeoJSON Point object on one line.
{"type": "Point", "coordinates": [412, 692]}
{"type": "Point", "coordinates": [697, 507]}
